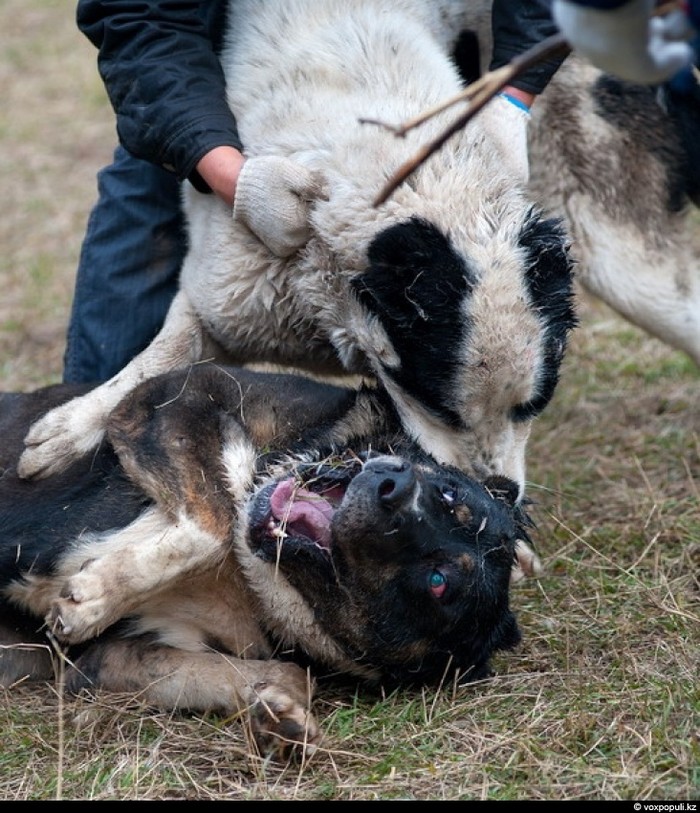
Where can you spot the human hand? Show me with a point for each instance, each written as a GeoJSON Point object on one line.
{"type": "Point", "coordinates": [273, 196]}
{"type": "Point", "coordinates": [219, 169]}
{"type": "Point", "coordinates": [627, 41]}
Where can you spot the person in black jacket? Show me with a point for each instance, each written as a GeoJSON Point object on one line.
{"type": "Point", "coordinates": [160, 67]}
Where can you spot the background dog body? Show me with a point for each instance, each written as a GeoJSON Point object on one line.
{"type": "Point", "coordinates": [181, 564]}
{"type": "Point", "coordinates": [455, 294]}
{"type": "Point", "coordinates": [619, 161]}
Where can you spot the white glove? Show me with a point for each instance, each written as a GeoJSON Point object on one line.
{"type": "Point", "coordinates": [626, 41]}
{"type": "Point", "coordinates": [273, 197]}
{"type": "Point", "coordinates": [505, 123]}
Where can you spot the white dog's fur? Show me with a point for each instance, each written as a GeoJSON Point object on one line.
{"type": "Point", "coordinates": [303, 74]}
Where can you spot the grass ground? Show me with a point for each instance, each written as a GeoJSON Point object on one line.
{"type": "Point", "coordinates": [601, 700]}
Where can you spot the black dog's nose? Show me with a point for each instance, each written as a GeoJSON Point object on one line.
{"type": "Point", "coordinates": [394, 480]}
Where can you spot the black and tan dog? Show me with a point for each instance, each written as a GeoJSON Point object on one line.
{"type": "Point", "coordinates": [237, 524]}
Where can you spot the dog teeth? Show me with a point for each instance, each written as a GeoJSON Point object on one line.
{"type": "Point", "coordinates": [276, 530]}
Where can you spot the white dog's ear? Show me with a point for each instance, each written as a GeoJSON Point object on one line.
{"type": "Point", "coordinates": [273, 199]}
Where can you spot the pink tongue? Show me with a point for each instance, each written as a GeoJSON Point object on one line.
{"type": "Point", "coordinates": [303, 508]}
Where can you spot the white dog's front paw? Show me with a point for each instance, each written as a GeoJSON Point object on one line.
{"type": "Point", "coordinates": [59, 438]}
{"type": "Point", "coordinates": [87, 605]}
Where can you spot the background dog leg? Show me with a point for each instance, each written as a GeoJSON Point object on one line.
{"type": "Point", "coordinates": [656, 288]}
{"type": "Point", "coordinates": [610, 159]}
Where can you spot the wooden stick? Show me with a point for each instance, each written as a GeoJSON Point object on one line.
{"type": "Point", "coordinates": [478, 93]}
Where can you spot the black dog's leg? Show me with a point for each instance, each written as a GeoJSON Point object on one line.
{"type": "Point", "coordinates": [276, 694]}
{"type": "Point", "coordinates": [194, 459]}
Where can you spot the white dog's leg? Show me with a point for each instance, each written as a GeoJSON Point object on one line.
{"type": "Point", "coordinates": [73, 429]}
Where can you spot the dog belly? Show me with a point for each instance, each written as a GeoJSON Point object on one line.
{"type": "Point", "coordinates": [305, 101]}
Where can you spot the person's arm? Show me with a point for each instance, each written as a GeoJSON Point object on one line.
{"type": "Point", "coordinates": [517, 27]}
{"type": "Point", "coordinates": [163, 78]}
{"type": "Point", "coordinates": [159, 63]}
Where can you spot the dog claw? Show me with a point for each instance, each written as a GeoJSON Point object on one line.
{"type": "Point", "coordinates": [73, 631]}
{"type": "Point", "coordinates": [54, 621]}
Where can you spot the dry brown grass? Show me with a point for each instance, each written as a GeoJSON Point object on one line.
{"type": "Point", "coordinates": [56, 130]}
{"type": "Point", "coordinates": [601, 700]}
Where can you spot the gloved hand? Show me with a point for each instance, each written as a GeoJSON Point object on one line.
{"type": "Point", "coordinates": [626, 41]}
{"type": "Point", "coordinates": [273, 196]}
{"type": "Point", "coordinates": [505, 120]}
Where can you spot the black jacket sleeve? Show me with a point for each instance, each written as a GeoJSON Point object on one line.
{"type": "Point", "coordinates": [159, 63]}
{"type": "Point", "coordinates": [517, 26]}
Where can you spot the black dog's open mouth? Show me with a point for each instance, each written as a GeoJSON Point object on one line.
{"type": "Point", "coordinates": [299, 509]}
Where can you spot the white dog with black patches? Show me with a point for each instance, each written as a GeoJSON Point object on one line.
{"type": "Point", "coordinates": [456, 294]}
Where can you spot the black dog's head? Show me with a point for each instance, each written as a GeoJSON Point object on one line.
{"type": "Point", "coordinates": [406, 565]}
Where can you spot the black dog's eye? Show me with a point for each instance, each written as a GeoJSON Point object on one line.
{"type": "Point", "coordinates": [437, 582]}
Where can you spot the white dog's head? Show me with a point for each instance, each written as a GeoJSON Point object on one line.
{"type": "Point", "coordinates": [468, 343]}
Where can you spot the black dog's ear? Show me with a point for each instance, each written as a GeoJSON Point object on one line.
{"type": "Point", "coordinates": [502, 488]}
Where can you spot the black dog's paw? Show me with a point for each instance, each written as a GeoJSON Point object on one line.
{"type": "Point", "coordinates": [282, 727]}
{"type": "Point", "coordinates": [87, 605]}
